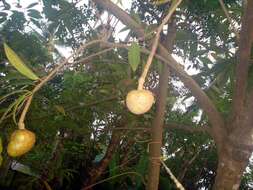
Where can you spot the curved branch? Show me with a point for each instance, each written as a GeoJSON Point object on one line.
{"type": "Point", "coordinates": [187, 128]}
{"type": "Point", "coordinates": [21, 124]}
{"type": "Point", "coordinates": [215, 118]}
{"type": "Point", "coordinates": [204, 101]}
{"type": "Point", "coordinates": [122, 16]}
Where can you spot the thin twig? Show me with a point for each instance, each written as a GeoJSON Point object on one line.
{"type": "Point", "coordinates": [115, 176]}
{"type": "Point", "coordinates": [155, 45]}
{"type": "Point", "coordinates": [21, 124]}
{"type": "Point", "coordinates": [229, 19]}
{"type": "Point", "coordinates": [174, 179]}
{"type": "Point", "coordinates": [85, 59]}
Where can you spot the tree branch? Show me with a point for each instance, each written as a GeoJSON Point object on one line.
{"type": "Point", "coordinates": [245, 44]}
{"type": "Point", "coordinates": [119, 13]}
{"type": "Point", "coordinates": [215, 118]}
{"type": "Point", "coordinates": [21, 124]}
{"type": "Point", "coordinates": [158, 121]}
{"type": "Point", "coordinates": [155, 44]}
{"type": "Point", "coordinates": [205, 103]}
{"type": "Point", "coordinates": [191, 129]}
{"type": "Point", "coordinates": [174, 179]}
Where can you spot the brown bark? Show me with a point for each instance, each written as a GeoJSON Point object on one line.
{"type": "Point", "coordinates": [156, 133]}
{"type": "Point", "coordinates": [244, 52]}
{"type": "Point", "coordinates": [232, 163]}
{"type": "Point", "coordinates": [234, 156]}
{"type": "Point", "coordinates": [157, 125]}
{"type": "Point", "coordinates": [236, 151]}
{"type": "Point", "coordinates": [97, 171]}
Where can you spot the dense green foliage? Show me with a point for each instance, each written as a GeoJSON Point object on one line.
{"type": "Point", "coordinates": [76, 113]}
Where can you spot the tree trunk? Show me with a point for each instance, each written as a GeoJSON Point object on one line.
{"type": "Point", "coordinates": [231, 165]}
{"type": "Point", "coordinates": [158, 122]}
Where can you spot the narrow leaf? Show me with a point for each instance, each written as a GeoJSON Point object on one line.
{"type": "Point", "coordinates": [124, 29]}
{"type": "Point", "coordinates": [7, 111]}
{"type": "Point", "coordinates": [34, 13]}
{"type": "Point", "coordinates": [15, 60]}
{"type": "Point", "coordinates": [134, 56]}
{"type": "Point", "coordinates": [32, 5]}
{"type": "Point", "coordinates": [141, 168]}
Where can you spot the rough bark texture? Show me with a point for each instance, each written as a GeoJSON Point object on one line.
{"type": "Point", "coordinates": [242, 67]}
{"type": "Point", "coordinates": [232, 163]}
{"type": "Point", "coordinates": [237, 147]}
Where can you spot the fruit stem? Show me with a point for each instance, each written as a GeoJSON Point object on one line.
{"type": "Point", "coordinates": [21, 125]}
{"type": "Point", "coordinates": [42, 82]}
{"type": "Point", "coordinates": [141, 83]}
{"type": "Point", "coordinates": [155, 44]}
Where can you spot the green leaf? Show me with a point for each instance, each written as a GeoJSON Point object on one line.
{"type": "Point", "coordinates": [124, 29]}
{"type": "Point", "coordinates": [34, 13]}
{"type": "Point", "coordinates": [60, 109]}
{"type": "Point", "coordinates": [32, 5]}
{"type": "Point", "coordinates": [141, 168]}
{"type": "Point", "coordinates": [113, 167]}
{"type": "Point", "coordinates": [3, 16]}
{"type": "Point", "coordinates": [24, 169]}
{"type": "Point", "coordinates": [134, 56]}
{"type": "Point", "coordinates": [34, 21]}
{"type": "Point", "coordinates": [2, 98]}
{"type": "Point", "coordinates": [15, 60]}
{"type": "Point", "coordinates": [165, 183]}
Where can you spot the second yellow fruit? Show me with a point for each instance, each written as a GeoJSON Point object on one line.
{"type": "Point", "coordinates": [21, 141]}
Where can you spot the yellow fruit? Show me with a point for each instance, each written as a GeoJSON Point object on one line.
{"type": "Point", "coordinates": [21, 142]}
{"type": "Point", "coordinates": [139, 101]}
